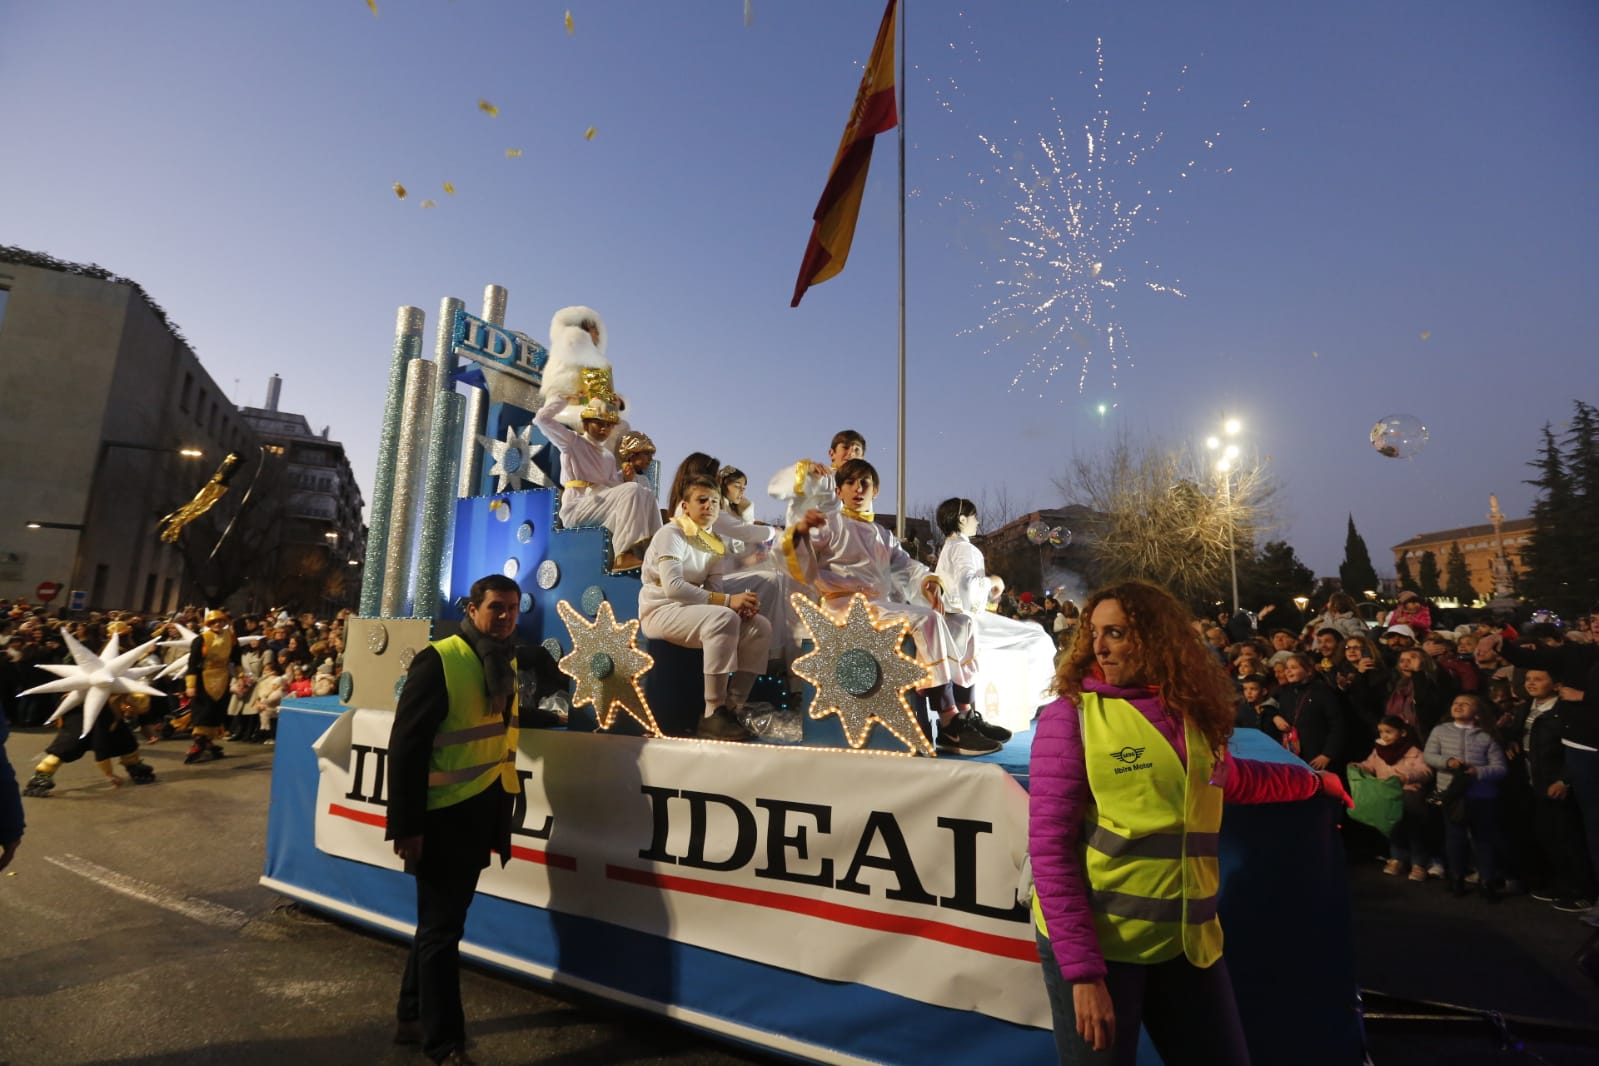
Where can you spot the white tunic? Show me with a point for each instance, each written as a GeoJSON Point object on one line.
{"type": "Point", "coordinates": [594, 493]}
{"type": "Point", "coordinates": [681, 601]}
{"type": "Point", "coordinates": [1018, 657]}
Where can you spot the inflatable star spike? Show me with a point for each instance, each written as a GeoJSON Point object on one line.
{"type": "Point", "coordinates": [859, 672]}
{"type": "Point", "coordinates": [93, 679]}
{"type": "Point", "coordinates": [606, 662]}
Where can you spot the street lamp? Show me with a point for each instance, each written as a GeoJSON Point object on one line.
{"type": "Point", "coordinates": [1227, 457]}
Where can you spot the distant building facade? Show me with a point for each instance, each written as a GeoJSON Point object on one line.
{"type": "Point", "coordinates": [99, 399]}
{"type": "Point", "coordinates": [1477, 545]}
{"type": "Point", "coordinates": [321, 541]}
{"type": "Point", "coordinates": [1029, 567]}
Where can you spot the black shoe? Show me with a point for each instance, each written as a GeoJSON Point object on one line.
{"type": "Point", "coordinates": [723, 725]}
{"type": "Point", "coordinates": [39, 785]}
{"type": "Point", "coordinates": [961, 737]}
{"type": "Point", "coordinates": [141, 774]}
{"type": "Point", "coordinates": [212, 753]}
{"type": "Point", "coordinates": [1568, 905]}
{"type": "Point", "coordinates": [1490, 894]}
{"type": "Point", "coordinates": [988, 729]}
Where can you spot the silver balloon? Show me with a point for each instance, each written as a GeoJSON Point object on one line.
{"type": "Point", "coordinates": [1399, 436]}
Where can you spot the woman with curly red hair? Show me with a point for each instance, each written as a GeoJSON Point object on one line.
{"type": "Point", "coordinates": [1129, 773]}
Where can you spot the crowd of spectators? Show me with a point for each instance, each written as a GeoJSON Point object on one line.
{"type": "Point", "coordinates": [1492, 729]}
{"type": "Point", "coordinates": [279, 655]}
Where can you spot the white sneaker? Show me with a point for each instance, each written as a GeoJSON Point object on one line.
{"type": "Point", "coordinates": [1473, 878]}
{"type": "Point", "coordinates": [1437, 872]}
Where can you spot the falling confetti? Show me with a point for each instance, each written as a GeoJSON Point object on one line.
{"type": "Point", "coordinates": [429, 203]}
{"type": "Point", "coordinates": [588, 134]}
{"type": "Point", "coordinates": [373, 4]}
{"type": "Point", "coordinates": [1426, 334]}
{"type": "Point", "coordinates": [570, 28]}
{"type": "Point", "coordinates": [399, 190]}
{"type": "Point", "coordinates": [449, 187]}
{"type": "Point", "coordinates": [513, 153]}
{"type": "Point", "coordinates": [488, 109]}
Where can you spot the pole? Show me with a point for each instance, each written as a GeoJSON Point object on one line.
{"type": "Point", "coordinates": [1232, 532]}
{"type": "Point", "coordinates": [899, 85]}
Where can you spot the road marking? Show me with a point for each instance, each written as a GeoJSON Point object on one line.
{"type": "Point", "coordinates": [201, 910]}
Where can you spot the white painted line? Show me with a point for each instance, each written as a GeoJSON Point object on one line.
{"type": "Point", "coordinates": [201, 910]}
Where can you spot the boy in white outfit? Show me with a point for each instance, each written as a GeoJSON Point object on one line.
{"type": "Point", "coordinates": [682, 601]}
{"type": "Point", "coordinates": [849, 553]}
{"type": "Point", "coordinates": [808, 485]}
{"type": "Point", "coordinates": [593, 492]}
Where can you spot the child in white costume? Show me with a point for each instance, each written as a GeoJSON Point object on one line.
{"type": "Point", "coordinates": [593, 492]}
{"type": "Point", "coordinates": [808, 485]}
{"type": "Point", "coordinates": [683, 601]}
{"type": "Point", "coordinates": [1004, 644]}
{"type": "Point", "coordinates": [840, 550]}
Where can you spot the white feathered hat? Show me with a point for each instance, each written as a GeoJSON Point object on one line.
{"type": "Point", "coordinates": [573, 318]}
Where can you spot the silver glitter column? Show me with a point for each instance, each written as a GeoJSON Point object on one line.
{"type": "Point", "coordinates": [407, 346]}
{"type": "Point", "coordinates": [477, 404]}
{"type": "Point", "coordinates": [444, 444]}
{"type": "Point", "coordinates": [416, 415]}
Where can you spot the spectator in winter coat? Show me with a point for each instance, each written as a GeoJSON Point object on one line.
{"type": "Point", "coordinates": [1420, 695]}
{"type": "Point", "coordinates": [1310, 717]}
{"type": "Point", "coordinates": [1365, 680]}
{"type": "Point", "coordinates": [1139, 685]}
{"type": "Point", "coordinates": [1396, 754]}
{"type": "Point", "coordinates": [1340, 615]}
{"type": "Point", "coordinates": [1461, 748]}
{"type": "Point", "coordinates": [1442, 650]}
{"type": "Point", "coordinates": [1534, 729]}
{"type": "Point", "coordinates": [1411, 612]}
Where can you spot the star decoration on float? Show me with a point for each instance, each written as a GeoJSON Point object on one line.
{"type": "Point", "coordinates": [513, 459]}
{"type": "Point", "coordinates": [93, 679]}
{"type": "Point", "coordinates": [607, 663]}
{"type": "Point", "coordinates": [859, 673]}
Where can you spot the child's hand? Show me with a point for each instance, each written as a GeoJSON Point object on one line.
{"type": "Point", "coordinates": [1454, 764]}
{"type": "Point", "coordinates": [812, 519]}
{"type": "Point", "coordinates": [1281, 723]}
{"type": "Point", "coordinates": [1319, 762]}
{"type": "Point", "coordinates": [996, 587]}
{"type": "Point", "coordinates": [747, 604]}
{"type": "Point", "coordinates": [1557, 791]}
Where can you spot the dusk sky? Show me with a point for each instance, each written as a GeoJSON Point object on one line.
{"type": "Point", "coordinates": [1307, 217]}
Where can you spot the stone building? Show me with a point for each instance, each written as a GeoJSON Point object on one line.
{"type": "Point", "coordinates": [1477, 545]}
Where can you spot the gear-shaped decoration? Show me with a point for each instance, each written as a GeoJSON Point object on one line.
{"type": "Point", "coordinates": [377, 638]}
{"type": "Point", "coordinates": [93, 680]}
{"type": "Point", "coordinates": [860, 674]}
{"type": "Point", "coordinates": [513, 459]}
{"type": "Point", "coordinates": [607, 663]}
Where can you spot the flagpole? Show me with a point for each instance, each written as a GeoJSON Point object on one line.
{"type": "Point", "coordinates": [899, 84]}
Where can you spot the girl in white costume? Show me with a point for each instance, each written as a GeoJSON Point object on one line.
{"type": "Point", "coordinates": [682, 601]}
{"type": "Point", "coordinates": [734, 500]}
{"type": "Point", "coordinates": [841, 550]}
{"type": "Point", "coordinates": [969, 589]}
{"type": "Point", "coordinates": [593, 492]}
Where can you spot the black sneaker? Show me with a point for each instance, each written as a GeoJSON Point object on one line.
{"type": "Point", "coordinates": [39, 785]}
{"type": "Point", "coordinates": [961, 737]}
{"type": "Point", "coordinates": [988, 729]}
{"type": "Point", "coordinates": [723, 725]}
{"type": "Point", "coordinates": [141, 774]}
{"type": "Point", "coordinates": [1573, 906]}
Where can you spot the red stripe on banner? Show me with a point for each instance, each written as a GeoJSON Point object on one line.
{"type": "Point", "coordinates": [988, 943]}
{"type": "Point", "coordinates": [364, 817]}
{"type": "Point", "coordinates": [544, 858]}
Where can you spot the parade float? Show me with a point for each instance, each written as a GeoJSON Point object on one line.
{"type": "Point", "coordinates": [833, 899]}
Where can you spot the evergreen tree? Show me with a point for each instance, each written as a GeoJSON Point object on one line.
{"type": "Point", "coordinates": [1402, 571]}
{"type": "Point", "coordinates": [1427, 577]}
{"type": "Point", "coordinates": [1582, 465]}
{"type": "Point", "coordinates": [1554, 544]}
{"type": "Point", "coordinates": [1356, 572]}
{"type": "Point", "coordinates": [1457, 577]}
{"type": "Point", "coordinates": [1273, 576]}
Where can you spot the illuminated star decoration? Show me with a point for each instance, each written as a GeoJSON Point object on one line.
{"type": "Point", "coordinates": [93, 679]}
{"type": "Point", "coordinates": [513, 459]}
{"type": "Point", "coordinates": [606, 662]}
{"type": "Point", "coordinates": [860, 674]}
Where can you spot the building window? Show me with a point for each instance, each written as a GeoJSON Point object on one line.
{"type": "Point", "coordinates": [199, 409]}
{"type": "Point", "coordinates": [187, 394]}
{"type": "Point", "coordinates": [5, 294]}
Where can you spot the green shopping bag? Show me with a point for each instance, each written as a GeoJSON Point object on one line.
{"type": "Point", "coordinates": [1378, 803]}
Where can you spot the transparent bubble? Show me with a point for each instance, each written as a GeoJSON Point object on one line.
{"type": "Point", "coordinates": [1037, 532]}
{"type": "Point", "coordinates": [1399, 436]}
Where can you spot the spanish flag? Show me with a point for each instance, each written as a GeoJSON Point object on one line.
{"type": "Point", "coordinates": [874, 113]}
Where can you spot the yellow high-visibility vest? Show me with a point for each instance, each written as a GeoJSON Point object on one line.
{"type": "Point", "coordinates": [473, 746]}
{"type": "Point", "coordinates": [1150, 838]}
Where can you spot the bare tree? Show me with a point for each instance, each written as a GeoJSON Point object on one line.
{"type": "Point", "coordinates": [1164, 516]}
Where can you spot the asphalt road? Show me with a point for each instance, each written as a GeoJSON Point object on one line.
{"type": "Point", "coordinates": [133, 930]}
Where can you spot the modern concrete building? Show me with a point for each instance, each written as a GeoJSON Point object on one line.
{"type": "Point", "coordinates": [107, 423]}
{"type": "Point", "coordinates": [322, 541]}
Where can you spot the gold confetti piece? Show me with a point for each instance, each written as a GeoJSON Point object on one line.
{"type": "Point", "coordinates": [449, 187]}
{"type": "Point", "coordinates": [1426, 334]}
{"type": "Point", "coordinates": [588, 134]}
{"type": "Point", "coordinates": [513, 153]}
{"type": "Point", "coordinates": [373, 4]}
{"type": "Point", "coordinates": [569, 27]}
{"type": "Point", "coordinates": [488, 109]}
{"type": "Point", "coordinates": [399, 190]}
{"type": "Point", "coordinates": [429, 203]}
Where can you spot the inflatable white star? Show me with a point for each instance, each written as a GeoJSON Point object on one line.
{"type": "Point", "coordinates": [179, 666]}
{"type": "Point", "coordinates": [93, 679]}
{"type": "Point", "coordinates": [513, 459]}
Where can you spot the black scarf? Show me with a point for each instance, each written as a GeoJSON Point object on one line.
{"type": "Point", "coordinates": [499, 675]}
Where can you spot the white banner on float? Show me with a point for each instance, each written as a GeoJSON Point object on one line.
{"type": "Point", "coordinates": [899, 874]}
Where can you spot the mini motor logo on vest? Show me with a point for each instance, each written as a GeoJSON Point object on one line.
{"type": "Point", "coordinates": [1129, 756]}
